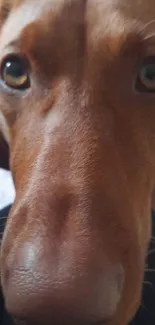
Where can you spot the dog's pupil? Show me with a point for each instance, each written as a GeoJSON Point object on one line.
{"type": "Point", "coordinates": [14, 69]}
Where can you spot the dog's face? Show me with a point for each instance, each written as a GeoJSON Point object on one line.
{"type": "Point", "coordinates": [77, 102]}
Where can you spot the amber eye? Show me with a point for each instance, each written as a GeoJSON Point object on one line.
{"type": "Point", "coordinates": [146, 76]}
{"type": "Point", "coordinates": [15, 73]}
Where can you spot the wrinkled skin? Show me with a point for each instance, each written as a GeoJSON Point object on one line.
{"type": "Point", "coordinates": [81, 143]}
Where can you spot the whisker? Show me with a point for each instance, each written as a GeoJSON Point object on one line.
{"type": "Point", "coordinates": [151, 251]}
{"type": "Point", "coordinates": [150, 270]}
{"type": "Point", "coordinates": [4, 218]}
{"type": "Point", "coordinates": [148, 283]}
{"type": "Point", "coordinates": [152, 239]}
{"type": "Point", "coordinates": [2, 226]}
{"type": "Point", "coordinates": [147, 25]}
{"type": "Point", "coordinates": [149, 36]}
{"type": "Point", "coordinates": [144, 28]}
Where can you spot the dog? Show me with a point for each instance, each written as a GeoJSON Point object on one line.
{"type": "Point", "coordinates": [77, 105]}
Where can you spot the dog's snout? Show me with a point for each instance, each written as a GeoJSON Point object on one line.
{"type": "Point", "coordinates": [69, 281]}
{"type": "Point", "coordinates": [74, 298]}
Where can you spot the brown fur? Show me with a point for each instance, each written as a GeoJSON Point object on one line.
{"type": "Point", "coordinates": [81, 144]}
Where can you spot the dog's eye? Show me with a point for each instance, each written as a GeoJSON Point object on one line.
{"type": "Point", "coordinates": [146, 77]}
{"type": "Point", "coordinates": [14, 73]}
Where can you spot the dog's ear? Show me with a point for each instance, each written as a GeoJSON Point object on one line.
{"type": "Point", "coordinates": [4, 153]}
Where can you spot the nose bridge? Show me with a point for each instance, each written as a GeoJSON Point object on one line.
{"type": "Point", "coordinates": [69, 178]}
{"type": "Point", "coordinates": [60, 253]}
{"type": "Point", "coordinates": [57, 262]}
{"type": "Point", "coordinates": [73, 169]}
{"type": "Point", "coordinates": [66, 204]}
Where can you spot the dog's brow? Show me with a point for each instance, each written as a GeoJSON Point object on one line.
{"type": "Point", "coordinates": [18, 20]}
{"type": "Point", "coordinates": [13, 44]}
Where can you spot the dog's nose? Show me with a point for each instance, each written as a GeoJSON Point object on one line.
{"type": "Point", "coordinates": [64, 284]}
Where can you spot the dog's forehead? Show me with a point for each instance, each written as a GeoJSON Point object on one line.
{"type": "Point", "coordinates": [21, 14]}
{"type": "Point", "coordinates": [116, 17]}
